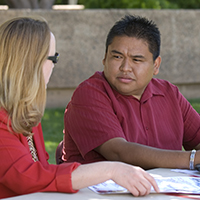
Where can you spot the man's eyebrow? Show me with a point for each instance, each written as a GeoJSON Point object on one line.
{"type": "Point", "coordinates": [137, 56]}
{"type": "Point", "coordinates": [115, 51]}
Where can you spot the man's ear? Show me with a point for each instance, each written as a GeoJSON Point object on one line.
{"type": "Point", "coordinates": [157, 63]}
{"type": "Point", "coordinates": [104, 60]}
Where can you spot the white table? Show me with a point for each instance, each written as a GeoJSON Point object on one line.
{"type": "Point", "coordinates": [86, 194]}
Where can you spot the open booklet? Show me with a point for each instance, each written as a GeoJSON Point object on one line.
{"type": "Point", "coordinates": [178, 184]}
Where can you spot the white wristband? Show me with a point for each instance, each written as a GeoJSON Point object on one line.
{"type": "Point", "coordinates": [192, 155]}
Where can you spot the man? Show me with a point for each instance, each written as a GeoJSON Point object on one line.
{"type": "Point", "coordinates": [125, 114]}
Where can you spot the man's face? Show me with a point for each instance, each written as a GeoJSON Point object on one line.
{"type": "Point", "coordinates": [129, 65]}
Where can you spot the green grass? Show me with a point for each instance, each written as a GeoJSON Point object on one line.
{"type": "Point", "coordinates": [196, 104]}
{"type": "Point", "coordinates": [53, 124]}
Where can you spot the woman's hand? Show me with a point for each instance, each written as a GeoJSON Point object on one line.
{"type": "Point", "coordinates": [135, 179]}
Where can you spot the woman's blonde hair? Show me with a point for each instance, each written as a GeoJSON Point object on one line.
{"type": "Point", "coordinates": [24, 46]}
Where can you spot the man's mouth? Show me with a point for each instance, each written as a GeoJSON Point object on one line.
{"type": "Point", "coordinates": [125, 79]}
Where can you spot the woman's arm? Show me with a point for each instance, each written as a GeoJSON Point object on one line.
{"type": "Point", "coordinates": [135, 179]}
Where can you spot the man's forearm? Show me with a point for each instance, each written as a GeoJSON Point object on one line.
{"type": "Point", "coordinates": [144, 156]}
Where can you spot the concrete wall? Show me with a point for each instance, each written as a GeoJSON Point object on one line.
{"type": "Point", "coordinates": [81, 36]}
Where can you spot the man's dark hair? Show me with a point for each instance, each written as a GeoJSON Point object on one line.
{"type": "Point", "coordinates": [138, 27]}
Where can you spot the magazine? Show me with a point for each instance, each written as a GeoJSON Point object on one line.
{"type": "Point", "coordinates": [178, 184]}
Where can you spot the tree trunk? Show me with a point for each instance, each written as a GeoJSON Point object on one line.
{"type": "Point", "coordinates": [46, 4]}
{"type": "Point", "coordinates": [32, 4]}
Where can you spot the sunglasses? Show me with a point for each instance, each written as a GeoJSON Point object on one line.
{"type": "Point", "coordinates": [54, 58]}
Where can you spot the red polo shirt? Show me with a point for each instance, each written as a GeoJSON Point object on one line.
{"type": "Point", "coordinates": [163, 118]}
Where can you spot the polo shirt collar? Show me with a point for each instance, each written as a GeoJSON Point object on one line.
{"type": "Point", "coordinates": [151, 90]}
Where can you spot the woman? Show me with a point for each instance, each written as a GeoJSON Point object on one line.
{"type": "Point", "coordinates": [27, 59]}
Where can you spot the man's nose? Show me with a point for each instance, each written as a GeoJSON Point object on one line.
{"type": "Point", "coordinates": [125, 65]}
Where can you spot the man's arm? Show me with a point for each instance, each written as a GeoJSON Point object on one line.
{"type": "Point", "coordinates": [197, 147]}
{"type": "Point", "coordinates": [118, 149]}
